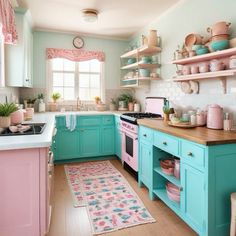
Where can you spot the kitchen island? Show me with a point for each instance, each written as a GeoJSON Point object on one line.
{"type": "Point", "coordinates": [207, 172]}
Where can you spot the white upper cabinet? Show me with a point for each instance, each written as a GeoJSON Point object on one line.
{"type": "Point", "coordinates": [18, 58]}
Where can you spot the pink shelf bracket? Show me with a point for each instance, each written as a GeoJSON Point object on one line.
{"type": "Point", "coordinates": [223, 84]}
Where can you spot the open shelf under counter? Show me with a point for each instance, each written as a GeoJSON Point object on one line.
{"type": "Point", "coordinates": [162, 194]}
{"type": "Point", "coordinates": [201, 76]}
{"type": "Point", "coordinates": [170, 178]}
{"type": "Point", "coordinates": [142, 51]}
{"type": "Point", "coordinates": [141, 66]}
{"type": "Point", "coordinates": [206, 57]}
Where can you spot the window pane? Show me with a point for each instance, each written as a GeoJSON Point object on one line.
{"type": "Point", "coordinates": [58, 90]}
{"type": "Point", "coordinates": [94, 66]}
{"type": "Point", "coordinates": [84, 94]}
{"type": "Point", "coordinates": [84, 66]}
{"type": "Point", "coordinates": [69, 65]}
{"type": "Point", "coordinates": [69, 79]}
{"type": "Point", "coordinates": [95, 81]}
{"type": "Point", "coordinates": [94, 93]}
{"type": "Point", "coordinates": [83, 80]}
{"type": "Point", "coordinates": [57, 79]}
{"type": "Point", "coordinates": [57, 64]}
{"type": "Point", "coordinates": [69, 93]}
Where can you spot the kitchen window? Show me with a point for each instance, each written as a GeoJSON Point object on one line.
{"type": "Point", "coordinates": [74, 80]}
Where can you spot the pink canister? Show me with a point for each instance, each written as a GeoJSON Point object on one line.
{"type": "Point", "coordinates": [17, 117]}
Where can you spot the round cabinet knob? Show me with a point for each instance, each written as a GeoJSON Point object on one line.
{"type": "Point", "coordinates": [164, 143]}
{"type": "Point", "coordinates": [190, 154]}
{"type": "Point", "coordinates": [144, 135]}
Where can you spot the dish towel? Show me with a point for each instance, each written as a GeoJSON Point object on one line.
{"type": "Point", "coordinates": [70, 122]}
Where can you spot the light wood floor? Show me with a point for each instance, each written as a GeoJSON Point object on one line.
{"type": "Point", "coordinates": [70, 221]}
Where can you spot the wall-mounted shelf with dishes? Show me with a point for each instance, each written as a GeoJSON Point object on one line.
{"type": "Point", "coordinates": [215, 65]}
{"type": "Point", "coordinates": [140, 66]}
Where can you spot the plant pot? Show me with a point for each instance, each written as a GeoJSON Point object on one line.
{"type": "Point", "coordinates": [5, 121]}
{"type": "Point", "coordinates": [53, 106]}
{"type": "Point", "coordinates": [112, 107]}
{"type": "Point", "coordinates": [130, 106]}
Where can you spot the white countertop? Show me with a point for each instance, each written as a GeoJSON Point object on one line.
{"type": "Point", "coordinates": [44, 139]}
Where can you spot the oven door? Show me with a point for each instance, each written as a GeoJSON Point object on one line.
{"type": "Point", "coordinates": [130, 149]}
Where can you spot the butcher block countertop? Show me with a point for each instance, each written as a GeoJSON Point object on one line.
{"type": "Point", "coordinates": [200, 135]}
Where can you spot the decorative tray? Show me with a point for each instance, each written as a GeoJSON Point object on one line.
{"type": "Point", "coordinates": [182, 125]}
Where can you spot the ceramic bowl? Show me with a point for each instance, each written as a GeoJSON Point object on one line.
{"type": "Point", "coordinates": [146, 60]}
{"type": "Point", "coordinates": [131, 61]}
{"type": "Point", "coordinates": [219, 45]}
{"type": "Point", "coordinates": [144, 72]}
{"type": "Point", "coordinates": [196, 47]}
{"type": "Point", "coordinates": [202, 51]}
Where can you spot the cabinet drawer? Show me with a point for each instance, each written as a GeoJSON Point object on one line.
{"type": "Point", "coordinates": [60, 121]}
{"type": "Point", "coordinates": [145, 134]}
{"type": "Point", "coordinates": [167, 143]}
{"type": "Point", "coordinates": [88, 121]}
{"type": "Point", "coordinates": [108, 120]}
{"type": "Point", "coordinates": [193, 154]}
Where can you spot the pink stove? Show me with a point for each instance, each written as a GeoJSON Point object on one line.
{"type": "Point", "coordinates": [129, 129]}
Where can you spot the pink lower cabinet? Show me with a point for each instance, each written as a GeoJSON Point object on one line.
{"type": "Point", "coordinates": [24, 192]}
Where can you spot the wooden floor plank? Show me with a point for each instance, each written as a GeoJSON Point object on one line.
{"type": "Point", "coordinates": [70, 221]}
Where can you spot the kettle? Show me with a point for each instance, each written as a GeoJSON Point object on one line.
{"type": "Point", "coordinates": [215, 117]}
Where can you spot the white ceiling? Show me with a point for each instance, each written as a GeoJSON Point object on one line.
{"type": "Point", "coordinates": [116, 19]}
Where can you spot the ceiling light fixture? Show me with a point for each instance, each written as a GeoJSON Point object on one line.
{"type": "Point", "coordinates": [90, 15]}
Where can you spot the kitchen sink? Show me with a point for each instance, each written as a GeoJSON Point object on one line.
{"type": "Point", "coordinates": [35, 128]}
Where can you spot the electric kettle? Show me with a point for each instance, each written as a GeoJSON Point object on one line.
{"type": "Point", "coordinates": [215, 116]}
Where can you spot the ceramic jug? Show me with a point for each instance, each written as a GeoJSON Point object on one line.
{"type": "Point", "coordinates": [152, 38]}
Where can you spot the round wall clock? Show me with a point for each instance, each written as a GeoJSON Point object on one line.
{"type": "Point", "coordinates": [78, 42]}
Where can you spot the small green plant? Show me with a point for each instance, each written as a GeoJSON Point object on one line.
{"type": "Point", "coordinates": [127, 97]}
{"type": "Point", "coordinates": [56, 96]}
{"type": "Point", "coordinates": [31, 101]}
{"type": "Point", "coordinates": [7, 108]}
{"type": "Point", "coordinates": [40, 96]}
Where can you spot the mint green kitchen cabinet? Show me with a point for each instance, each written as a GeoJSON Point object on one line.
{"type": "Point", "coordinates": [94, 136]}
{"type": "Point", "coordinates": [207, 175]}
{"type": "Point", "coordinates": [117, 137]}
{"type": "Point", "coordinates": [66, 144]}
{"type": "Point", "coordinates": [89, 142]}
{"type": "Point", "coordinates": [19, 57]}
{"type": "Point", "coordinates": [108, 140]}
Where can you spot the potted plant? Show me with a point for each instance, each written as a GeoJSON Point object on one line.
{"type": "Point", "coordinates": [41, 104]}
{"type": "Point", "coordinates": [5, 111]}
{"type": "Point", "coordinates": [124, 100]}
{"type": "Point", "coordinates": [29, 103]}
{"type": "Point", "coordinates": [55, 96]}
{"type": "Point", "coordinates": [112, 105]}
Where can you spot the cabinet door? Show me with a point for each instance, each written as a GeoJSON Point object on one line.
{"type": "Point", "coordinates": [145, 164]}
{"type": "Point", "coordinates": [89, 142]}
{"type": "Point", "coordinates": [193, 197]}
{"type": "Point", "coordinates": [108, 140]}
{"type": "Point", "coordinates": [66, 146]}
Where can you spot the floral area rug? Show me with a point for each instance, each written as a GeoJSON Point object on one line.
{"type": "Point", "coordinates": [111, 202]}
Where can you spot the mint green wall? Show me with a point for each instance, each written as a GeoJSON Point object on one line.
{"type": "Point", "coordinates": [189, 16]}
{"type": "Point", "coordinates": [112, 49]}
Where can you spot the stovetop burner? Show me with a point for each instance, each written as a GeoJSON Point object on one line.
{"type": "Point", "coordinates": [132, 117]}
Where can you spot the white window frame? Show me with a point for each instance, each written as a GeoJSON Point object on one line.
{"type": "Point", "coordinates": [49, 83]}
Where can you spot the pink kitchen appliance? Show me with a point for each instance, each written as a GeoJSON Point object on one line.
{"type": "Point", "coordinates": [215, 116]}
{"type": "Point", "coordinates": [129, 130]}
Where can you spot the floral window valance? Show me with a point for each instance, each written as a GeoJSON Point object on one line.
{"type": "Point", "coordinates": [7, 20]}
{"type": "Point", "coordinates": [74, 55]}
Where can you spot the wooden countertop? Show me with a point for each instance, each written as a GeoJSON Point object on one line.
{"type": "Point", "coordinates": [200, 135]}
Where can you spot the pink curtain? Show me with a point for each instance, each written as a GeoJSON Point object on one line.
{"type": "Point", "coordinates": [7, 19]}
{"type": "Point", "coordinates": [74, 55]}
